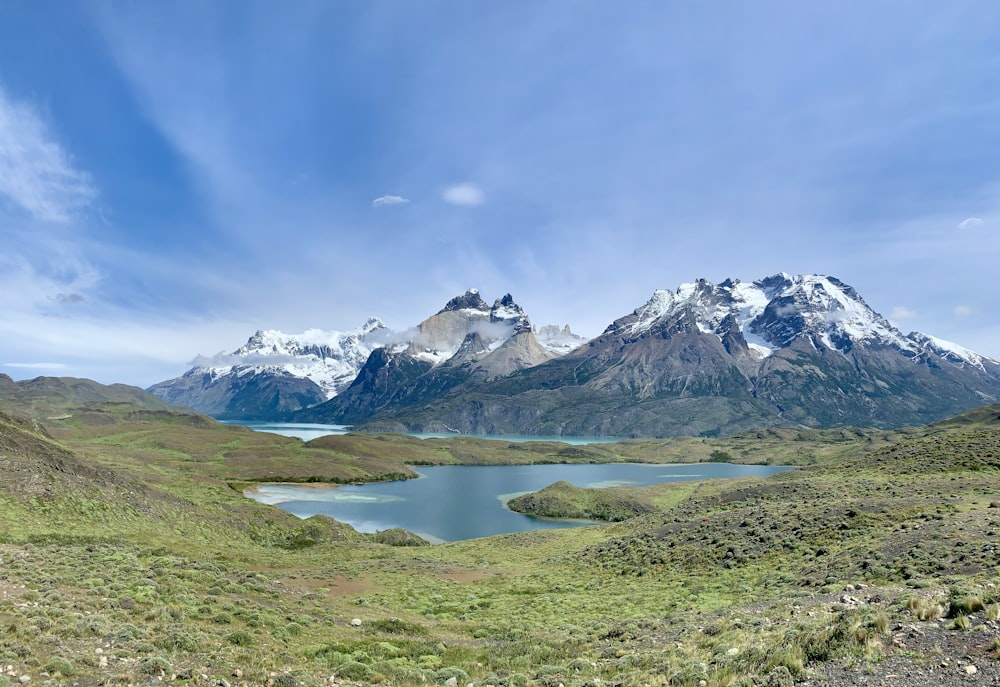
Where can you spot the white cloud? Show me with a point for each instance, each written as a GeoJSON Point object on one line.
{"type": "Point", "coordinates": [464, 194]}
{"type": "Point", "coordinates": [35, 172]}
{"type": "Point", "coordinates": [970, 223]}
{"type": "Point", "coordinates": [962, 311]}
{"type": "Point", "coordinates": [901, 313]}
{"type": "Point", "coordinates": [389, 200]}
{"type": "Point", "coordinates": [37, 366]}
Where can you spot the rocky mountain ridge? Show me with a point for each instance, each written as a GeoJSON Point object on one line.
{"type": "Point", "coordinates": [705, 359]}
{"type": "Point", "coordinates": [274, 374]}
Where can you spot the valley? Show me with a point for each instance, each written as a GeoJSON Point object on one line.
{"type": "Point", "coordinates": [130, 556]}
{"type": "Point", "coordinates": [499, 344]}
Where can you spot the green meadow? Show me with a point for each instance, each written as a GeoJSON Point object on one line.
{"type": "Point", "coordinates": [129, 555]}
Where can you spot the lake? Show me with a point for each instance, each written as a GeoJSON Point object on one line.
{"type": "Point", "coordinates": [454, 502]}
{"type": "Point", "coordinates": [307, 431]}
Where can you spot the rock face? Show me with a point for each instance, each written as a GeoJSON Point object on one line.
{"type": "Point", "coordinates": [705, 359]}
{"type": "Point", "coordinates": [273, 373]}
{"type": "Point", "coordinates": [464, 344]}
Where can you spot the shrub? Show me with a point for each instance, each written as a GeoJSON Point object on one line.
{"type": "Point", "coordinates": [177, 638]}
{"type": "Point", "coordinates": [964, 605]}
{"type": "Point", "coordinates": [924, 609]}
{"type": "Point", "coordinates": [155, 665]}
{"type": "Point", "coordinates": [444, 674]}
{"type": "Point", "coordinates": [240, 638]}
{"type": "Point", "coordinates": [58, 664]}
{"type": "Point", "coordinates": [993, 612]}
{"type": "Point", "coordinates": [353, 670]}
{"type": "Point", "coordinates": [396, 626]}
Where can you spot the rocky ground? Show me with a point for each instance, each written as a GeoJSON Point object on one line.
{"type": "Point", "coordinates": [923, 655]}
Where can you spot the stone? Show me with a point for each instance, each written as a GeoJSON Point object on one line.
{"type": "Point", "coordinates": [971, 670]}
{"type": "Point", "coordinates": [355, 622]}
{"type": "Point", "coordinates": [451, 682]}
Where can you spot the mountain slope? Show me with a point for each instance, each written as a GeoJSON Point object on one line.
{"type": "Point", "coordinates": [467, 342]}
{"type": "Point", "coordinates": [716, 359]}
{"type": "Point", "coordinates": [45, 397]}
{"type": "Point", "coordinates": [273, 373]}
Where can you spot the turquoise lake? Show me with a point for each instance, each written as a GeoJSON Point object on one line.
{"type": "Point", "coordinates": [454, 502]}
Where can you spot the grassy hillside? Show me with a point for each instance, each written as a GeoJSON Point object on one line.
{"type": "Point", "coordinates": [564, 500]}
{"type": "Point", "coordinates": [128, 554]}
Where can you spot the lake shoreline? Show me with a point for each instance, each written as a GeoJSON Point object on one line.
{"type": "Point", "coordinates": [459, 502]}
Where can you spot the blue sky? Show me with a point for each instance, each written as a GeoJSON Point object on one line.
{"type": "Point", "coordinates": [174, 176]}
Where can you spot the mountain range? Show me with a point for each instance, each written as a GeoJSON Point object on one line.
{"type": "Point", "coordinates": [706, 359]}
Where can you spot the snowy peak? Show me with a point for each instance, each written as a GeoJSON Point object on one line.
{"type": "Point", "coordinates": [558, 341]}
{"type": "Point", "coordinates": [954, 353]}
{"type": "Point", "coordinates": [447, 333]}
{"type": "Point", "coordinates": [470, 300]}
{"type": "Point", "coordinates": [330, 359]}
{"type": "Point", "coordinates": [830, 312]}
{"type": "Point", "coordinates": [506, 311]}
{"type": "Point", "coordinates": [773, 312]}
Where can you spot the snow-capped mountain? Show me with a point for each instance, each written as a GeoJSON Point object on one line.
{"type": "Point", "coordinates": [559, 341]}
{"type": "Point", "coordinates": [441, 335]}
{"type": "Point", "coordinates": [720, 358]}
{"type": "Point", "coordinates": [704, 358]}
{"type": "Point", "coordinates": [330, 359]}
{"type": "Point", "coordinates": [274, 372]}
{"type": "Point", "coordinates": [466, 342]}
{"type": "Point", "coordinates": [771, 313]}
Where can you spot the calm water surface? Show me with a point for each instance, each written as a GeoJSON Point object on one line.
{"type": "Point", "coordinates": [453, 502]}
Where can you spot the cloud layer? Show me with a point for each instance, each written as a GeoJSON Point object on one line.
{"type": "Point", "coordinates": [970, 223]}
{"type": "Point", "coordinates": [466, 194]}
{"type": "Point", "coordinates": [383, 201]}
{"type": "Point", "coordinates": [223, 166]}
{"type": "Point", "coordinates": [36, 173]}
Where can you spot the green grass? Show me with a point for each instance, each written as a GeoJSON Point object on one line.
{"type": "Point", "coordinates": [564, 500]}
{"type": "Point", "coordinates": [133, 537]}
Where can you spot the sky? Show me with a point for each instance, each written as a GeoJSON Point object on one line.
{"type": "Point", "coordinates": [175, 176]}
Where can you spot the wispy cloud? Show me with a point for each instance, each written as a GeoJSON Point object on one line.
{"type": "Point", "coordinates": [901, 313]}
{"type": "Point", "coordinates": [382, 201]}
{"type": "Point", "coordinates": [466, 193]}
{"type": "Point", "coordinates": [970, 223]}
{"type": "Point", "coordinates": [28, 286]}
{"type": "Point", "coordinates": [35, 172]}
{"type": "Point", "coordinates": [962, 311]}
{"type": "Point", "coordinates": [69, 298]}
{"type": "Point", "coordinates": [37, 366]}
